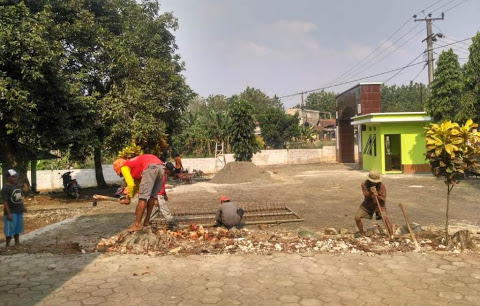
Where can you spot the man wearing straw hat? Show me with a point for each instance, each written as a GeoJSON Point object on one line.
{"type": "Point", "coordinates": [372, 187]}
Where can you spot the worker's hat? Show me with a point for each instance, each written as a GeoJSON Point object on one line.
{"type": "Point", "coordinates": [117, 165]}
{"type": "Point", "coordinates": [374, 177]}
{"type": "Point", "coordinates": [224, 199]}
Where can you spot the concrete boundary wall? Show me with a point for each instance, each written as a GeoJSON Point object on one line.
{"type": "Point", "coordinates": [50, 179]}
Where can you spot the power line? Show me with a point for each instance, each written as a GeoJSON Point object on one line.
{"type": "Point", "coordinates": [423, 11]}
{"type": "Point", "coordinates": [442, 6]}
{"type": "Point", "coordinates": [453, 43]}
{"type": "Point", "coordinates": [378, 47]}
{"type": "Point", "coordinates": [423, 68]}
{"type": "Point", "coordinates": [422, 54]}
{"type": "Point", "coordinates": [388, 54]}
{"type": "Point", "coordinates": [408, 65]}
{"type": "Point", "coordinates": [455, 6]}
{"type": "Point", "coordinates": [355, 68]}
{"type": "Point", "coordinates": [351, 81]}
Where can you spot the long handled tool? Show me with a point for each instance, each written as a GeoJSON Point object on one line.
{"type": "Point", "coordinates": [385, 220]}
{"type": "Point", "coordinates": [417, 247]}
{"type": "Point", "coordinates": [98, 197]}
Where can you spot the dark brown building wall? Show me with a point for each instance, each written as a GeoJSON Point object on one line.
{"type": "Point", "coordinates": [370, 99]}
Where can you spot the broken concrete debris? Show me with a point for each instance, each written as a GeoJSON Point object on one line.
{"type": "Point", "coordinates": [200, 240]}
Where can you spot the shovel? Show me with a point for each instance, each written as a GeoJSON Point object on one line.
{"type": "Point", "coordinates": [385, 220]}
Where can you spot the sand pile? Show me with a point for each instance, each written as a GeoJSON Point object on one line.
{"type": "Point", "coordinates": [241, 172]}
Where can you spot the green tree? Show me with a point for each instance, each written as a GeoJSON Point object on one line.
{"type": "Point", "coordinates": [242, 137]}
{"type": "Point", "coordinates": [260, 101]}
{"type": "Point", "coordinates": [278, 128]}
{"type": "Point", "coordinates": [37, 104]}
{"type": "Point", "coordinates": [404, 98]}
{"type": "Point", "coordinates": [470, 101]}
{"type": "Point", "coordinates": [451, 150]}
{"type": "Point", "coordinates": [322, 101]}
{"type": "Point", "coordinates": [122, 53]}
{"type": "Point", "coordinates": [446, 88]}
{"type": "Point", "coordinates": [218, 103]}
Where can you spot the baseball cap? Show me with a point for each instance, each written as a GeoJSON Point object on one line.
{"type": "Point", "coordinates": [224, 199]}
{"type": "Point", "coordinates": [11, 172]}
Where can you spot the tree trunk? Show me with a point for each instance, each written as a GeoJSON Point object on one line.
{"type": "Point", "coordinates": [97, 157]}
{"type": "Point", "coordinates": [18, 160]}
{"type": "Point", "coordinates": [446, 217]}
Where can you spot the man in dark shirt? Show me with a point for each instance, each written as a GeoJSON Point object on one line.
{"type": "Point", "coordinates": [371, 188]}
{"type": "Point", "coordinates": [13, 208]}
{"type": "Point", "coordinates": [228, 214]}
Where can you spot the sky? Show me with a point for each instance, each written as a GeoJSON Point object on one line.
{"type": "Point", "coordinates": [285, 47]}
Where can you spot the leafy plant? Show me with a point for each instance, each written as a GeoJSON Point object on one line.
{"type": "Point", "coordinates": [242, 138]}
{"type": "Point", "coordinates": [451, 150]}
{"type": "Point", "coordinates": [130, 151]}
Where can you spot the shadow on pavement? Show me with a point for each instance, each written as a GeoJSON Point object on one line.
{"type": "Point", "coordinates": [32, 270]}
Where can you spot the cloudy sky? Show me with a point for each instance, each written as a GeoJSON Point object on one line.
{"type": "Point", "coordinates": [284, 47]}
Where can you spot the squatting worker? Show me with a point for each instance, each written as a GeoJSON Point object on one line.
{"type": "Point", "coordinates": [178, 163]}
{"type": "Point", "coordinates": [228, 213]}
{"type": "Point", "coordinates": [144, 174]}
{"type": "Point", "coordinates": [371, 187]}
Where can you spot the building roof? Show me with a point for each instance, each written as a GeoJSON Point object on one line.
{"type": "Point", "coordinates": [391, 117]}
{"type": "Point", "coordinates": [366, 83]}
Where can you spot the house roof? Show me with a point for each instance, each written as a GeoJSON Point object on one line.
{"type": "Point", "coordinates": [359, 84]}
{"type": "Point", "coordinates": [391, 117]}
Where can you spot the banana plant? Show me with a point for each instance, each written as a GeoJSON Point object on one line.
{"type": "Point", "coordinates": [452, 149]}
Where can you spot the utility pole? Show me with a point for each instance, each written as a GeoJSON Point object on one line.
{"type": "Point", "coordinates": [302, 102]}
{"type": "Point", "coordinates": [430, 39]}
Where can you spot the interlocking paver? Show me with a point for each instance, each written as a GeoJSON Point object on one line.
{"type": "Point", "coordinates": [248, 279]}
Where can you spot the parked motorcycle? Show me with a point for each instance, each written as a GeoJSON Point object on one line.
{"type": "Point", "coordinates": [70, 186]}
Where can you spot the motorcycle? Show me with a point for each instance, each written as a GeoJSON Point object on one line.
{"type": "Point", "coordinates": [70, 186]}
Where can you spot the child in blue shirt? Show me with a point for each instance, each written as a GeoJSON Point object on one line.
{"type": "Point", "coordinates": [13, 208]}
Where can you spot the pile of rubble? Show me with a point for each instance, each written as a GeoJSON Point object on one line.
{"type": "Point", "coordinates": [199, 240]}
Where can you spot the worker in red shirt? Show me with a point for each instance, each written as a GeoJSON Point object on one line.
{"type": "Point", "coordinates": [144, 174]}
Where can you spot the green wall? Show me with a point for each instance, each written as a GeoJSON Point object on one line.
{"type": "Point", "coordinates": [372, 162]}
{"type": "Point", "coordinates": [412, 143]}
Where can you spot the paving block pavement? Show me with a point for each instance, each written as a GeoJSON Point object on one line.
{"type": "Point", "coordinates": [278, 279]}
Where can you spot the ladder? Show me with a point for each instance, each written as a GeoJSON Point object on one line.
{"type": "Point", "coordinates": [220, 160]}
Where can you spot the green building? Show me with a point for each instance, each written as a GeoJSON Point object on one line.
{"type": "Point", "coordinates": [392, 142]}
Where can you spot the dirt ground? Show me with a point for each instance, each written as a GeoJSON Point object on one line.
{"type": "Point", "coordinates": [324, 195]}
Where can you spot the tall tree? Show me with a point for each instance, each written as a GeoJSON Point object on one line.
{"type": "Point", "coordinates": [404, 98]}
{"type": "Point", "coordinates": [322, 101]}
{"type": "Point", "coordinates": [37, 104]}
{"type": "Point", "coordinates": [446, 88]}
{"type": "Point", "coordinates": [242, 129]}
{"type": "Point", "coordinates": [123, 55]}
{"type": "Point", "coordinates": [470, 102]}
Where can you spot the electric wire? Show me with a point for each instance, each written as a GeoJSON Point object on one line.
{"type": "Point", "coordinates": [388, 54]}
{"type": "Point", "coordinates": [442, 6]}
{"type": "Point", "coordinates": [351, 81]}
{"type": "Point", "coordinates": [355, 69]}
{"type": "Point", "coordinates": [408, 65]}
{"type": "Point", "coordinates": [423, 68]}
{"type": "Point", "coordinates": [455, 6]}
{"type": "Point", "coordinates": [359, 70]}
{"type": "Point", "coordinates": [423, 11]}
{"type": "Point", "coordinates": [375, 50]}
{"type": "Point", "coordinates": [411, 64]}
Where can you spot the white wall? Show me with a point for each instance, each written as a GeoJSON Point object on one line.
{"type": "Point", "coordinates": [50, 179]}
